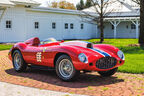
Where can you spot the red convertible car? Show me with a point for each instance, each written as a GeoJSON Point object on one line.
{"type": "Point", "coordinates": [68, 58]}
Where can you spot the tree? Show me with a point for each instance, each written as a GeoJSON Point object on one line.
{"type": "Point", "coordinates": [88, 4]}
{"type": "Point", "coordinates": [141, 35]}
{"type": "Point", "coordinates": [54, 5]}
{"type": "Point", "coordinates": [63, 5]}
{"type": "Point", "coordinates": [100, 11]}
{"type": "Point", "coordinates": [80, 6]}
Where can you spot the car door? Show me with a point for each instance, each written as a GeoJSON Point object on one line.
{"type": "Point", "coordinates": [32, 55]}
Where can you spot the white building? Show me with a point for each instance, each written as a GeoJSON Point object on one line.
{"type": "Point", "coordinates": [23, 19]}
{"type": "Point", "coordinates": [123, 21]}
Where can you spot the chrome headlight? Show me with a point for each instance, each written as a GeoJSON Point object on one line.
{"type": "Point", "coordinates": [83, 58]}
{"type": "Point", "coordinates": [121, 55]}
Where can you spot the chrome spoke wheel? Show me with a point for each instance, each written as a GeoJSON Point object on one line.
{"type": "Point", "coordinates": [66, 68]}
{"type": "Point", "coordinates": [17, 61]}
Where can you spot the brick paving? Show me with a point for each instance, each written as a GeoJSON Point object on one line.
{"type": "Point", "coordinates": [121, 84]}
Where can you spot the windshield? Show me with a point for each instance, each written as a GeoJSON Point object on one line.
{"type": "Point", "coordinates": [49, 40]}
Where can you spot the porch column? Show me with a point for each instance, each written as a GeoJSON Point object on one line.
{"type": "Point", "coordinates": [136, 23]}
{"type": "Point", "coordinates": [115, 24]}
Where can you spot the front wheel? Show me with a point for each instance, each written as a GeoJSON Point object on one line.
{"type": "Point", "coordinates": [108, 73]}
{"type": "Point", "coordinates": [65, 69]}
{"type": "Point", "coordinates": [18, 61]}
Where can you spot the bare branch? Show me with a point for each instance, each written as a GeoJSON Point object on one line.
{"type": "Point", "coordinates": [136, 1]}
{"type": "Point", "coordinates": [101, 10]}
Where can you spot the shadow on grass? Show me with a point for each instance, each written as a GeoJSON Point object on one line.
{"type": "Point", "coordinates": [50, 77]}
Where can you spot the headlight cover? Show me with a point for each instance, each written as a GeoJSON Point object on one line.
{"type": "Point", "coordinates": [83, 58]}
{"type": "Point", "coordinates": [121, 55]}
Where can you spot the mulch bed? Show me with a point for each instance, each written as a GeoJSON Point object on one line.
{"type": "Point", "coordinates": [121, 84]}
{"type": "Point", "coordinates": [134, 45]}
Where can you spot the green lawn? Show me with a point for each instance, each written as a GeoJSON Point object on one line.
{"type": "Point", "coordinates": [5, 47]}
{"type": "Point", "coordinates": [134, 56]}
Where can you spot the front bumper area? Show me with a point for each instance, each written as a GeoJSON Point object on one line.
{"type": "Point", "coordinates": [92, 66]}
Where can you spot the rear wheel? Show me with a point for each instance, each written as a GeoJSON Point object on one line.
{"type": "Point", "coordinates": [18, 61]}
{"type": "Point", "coordinates": [65, 69]}
{"type": "Point", "coordinates": [108, 73]}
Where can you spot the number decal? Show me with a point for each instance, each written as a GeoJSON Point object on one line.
{"type": "Point", "coordinates": [38, 56]}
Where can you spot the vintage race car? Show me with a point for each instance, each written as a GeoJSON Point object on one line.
{"type": "Point", "coordinates": [67, 58]}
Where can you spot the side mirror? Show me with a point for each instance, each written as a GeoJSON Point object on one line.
{"type": "Point", "coordinates": [62, 40]}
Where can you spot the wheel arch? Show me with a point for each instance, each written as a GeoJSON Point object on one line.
{"type": "Point", "coordinates": [14, 50]}
{"type": "Point", "coordinates": [58, 55]}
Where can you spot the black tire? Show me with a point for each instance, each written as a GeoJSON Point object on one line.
{"type": "Point", "coordinates": [20, 64]}
{"type": "Point", "coordinates": [60, 71]}
{"type": "Point", "coordinates": [108, 73]}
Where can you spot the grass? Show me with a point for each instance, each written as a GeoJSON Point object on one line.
{"type": "Point", "coordinates": [134, 56]}
{"type": "Point", "coordinates": [105, 88]}
{"type": "Point", "coordinates": [5, 47]}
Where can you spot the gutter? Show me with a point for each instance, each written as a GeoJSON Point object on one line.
{"type": "Point", "coordinates": [52, 10]}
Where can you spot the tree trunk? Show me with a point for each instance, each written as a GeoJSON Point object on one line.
{"type": "Point", "coordinates": [101, 30]}
{"type": "Point", "coordinates": [101, 23]}
{"type": "Point", "coordinates": [141, 35]}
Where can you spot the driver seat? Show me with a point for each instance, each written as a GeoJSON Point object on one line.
{"type": "Point", "coordinates": [33, 41]}
{"type": "Point", "coordinates": [36, 41]}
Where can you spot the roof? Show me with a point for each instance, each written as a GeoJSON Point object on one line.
{"type": "Point", "coordinates": [55, 10]}
{"type": "Point", "coordinates": [118, 8]}
{"type": "Point", "coordinates": [25, 2]}
{"type": "Point", "coordinates": [6, 3]}
{"type": "Point", "coordinates": [17, 2]}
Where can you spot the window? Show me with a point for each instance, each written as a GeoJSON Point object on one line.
{"type": "Point", "coordinates": [127, 26]}
{"type": "Point", "coordinates": [133, 26]}
{"type": "Point", "coordinates": [8, 24]}
{"type": "Point", "coordinates": [66, 25]}
{"type": "Point", "coordinates": [82, 26]}
{"type": "Point", "coordinates": [112, 26]}
{"type": "Point", "coordinates": [53, 25]}
{"type": "Point", "coordinates": [71, 26]}
{"type": "Point", "coordinates": [36, 25]}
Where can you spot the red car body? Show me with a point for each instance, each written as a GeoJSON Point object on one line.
{"type": "Point", "coordinates": [46, 54]}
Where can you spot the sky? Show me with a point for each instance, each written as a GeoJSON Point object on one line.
{"type": "Point", "coordinates": [44, 2]}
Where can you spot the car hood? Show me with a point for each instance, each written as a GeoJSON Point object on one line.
{"type": "Point", "coordinates": [81, 46]}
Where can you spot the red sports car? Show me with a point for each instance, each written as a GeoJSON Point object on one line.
{"type": "Point", "coordinates": [68, 58]}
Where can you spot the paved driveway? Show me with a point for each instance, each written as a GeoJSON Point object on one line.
{"type": "Point", "coordinates": [121, 84]}
{"type": "Point", "coordinates": [7, 89]}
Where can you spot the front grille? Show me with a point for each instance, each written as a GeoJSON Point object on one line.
{"type": "Point", "coordinates": [106, 63]}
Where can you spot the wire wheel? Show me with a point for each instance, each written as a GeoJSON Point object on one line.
{"type": "Point", "coordinates": [17, 61]}
{"type": "Point", "coordinates": [65, 68]}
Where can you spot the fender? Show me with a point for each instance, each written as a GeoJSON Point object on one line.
{"type": "Point", "coordinates": [107, 48]}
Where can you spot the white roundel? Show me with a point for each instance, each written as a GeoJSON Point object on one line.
{"type": "Point", "coordinates": [38, 56]}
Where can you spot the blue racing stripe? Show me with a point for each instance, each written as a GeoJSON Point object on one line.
{"type": "Point", "coordinates": [101, 52]}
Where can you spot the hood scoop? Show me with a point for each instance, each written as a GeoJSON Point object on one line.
{"type": "Point", "coordinates": [90, 45]}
